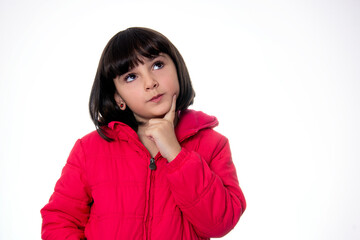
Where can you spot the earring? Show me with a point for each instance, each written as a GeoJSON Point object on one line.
{"type": "Point", "coordinates": [122, 106]}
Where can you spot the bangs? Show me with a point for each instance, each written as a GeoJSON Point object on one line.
{"type": "Point", "coordinates": [125, 51]}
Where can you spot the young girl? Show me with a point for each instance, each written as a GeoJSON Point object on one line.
{"type": "Point", "coordinates": [153, 169]}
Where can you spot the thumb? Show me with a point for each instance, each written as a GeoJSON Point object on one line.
{"type": "Point", "coordinates": [170, 115]}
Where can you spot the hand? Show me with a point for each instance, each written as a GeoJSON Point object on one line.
{"type": "Point", "coordinates": [161, 131]}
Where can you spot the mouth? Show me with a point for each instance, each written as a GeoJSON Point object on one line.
{"type": "Point", "coordinates": [156, 98]}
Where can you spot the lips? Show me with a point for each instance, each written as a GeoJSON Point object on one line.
{"type": "Point", "coordinates": [156, 98]}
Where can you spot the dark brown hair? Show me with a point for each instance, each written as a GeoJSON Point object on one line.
{"type": "Point", "coordinates": [121, 54]}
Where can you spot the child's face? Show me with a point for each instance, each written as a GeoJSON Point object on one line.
{"type": "Point", "coordinates": [148, 88]}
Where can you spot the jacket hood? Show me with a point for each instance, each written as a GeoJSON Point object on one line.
{"type": "Point", "coordinates": [190, 122]}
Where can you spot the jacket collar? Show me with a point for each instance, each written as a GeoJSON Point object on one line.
{"type": "Point", "coordinates": [190, 122]}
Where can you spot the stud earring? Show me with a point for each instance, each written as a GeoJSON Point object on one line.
{"type": "Point", "coordinates": [122, 106]}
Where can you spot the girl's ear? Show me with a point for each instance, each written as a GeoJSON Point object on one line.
{"type": "Point", "coordinates": [119, 101]}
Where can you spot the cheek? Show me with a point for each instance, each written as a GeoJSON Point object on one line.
{"type": "Point", "coordinates": [128, 92]}
{"type": "Point", "coordinates": [173, 83]}
{"type": "Point", "coordinates": [176, 81]}
{"type": "Point", "coordinates": [172, 86]}
{"type": "Point", "coordinates": [177, 86]}
{"type": "Point", "coordinates": [131, 97]}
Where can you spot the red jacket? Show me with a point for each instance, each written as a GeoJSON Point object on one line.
{"type": "Point", "coordinates": [107, 191]}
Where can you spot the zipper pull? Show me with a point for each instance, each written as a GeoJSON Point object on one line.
{"type": "Point", "coordinates": [152, 165]}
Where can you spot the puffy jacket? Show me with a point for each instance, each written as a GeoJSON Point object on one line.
{"type": "Point", "coordinates": [107, 190]}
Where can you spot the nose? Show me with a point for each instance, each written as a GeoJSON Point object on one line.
{"type": "Point", "coordinates": [151, 83]}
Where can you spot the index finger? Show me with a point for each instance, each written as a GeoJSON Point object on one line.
{"type": "Point", "coordinates": [170, 115]}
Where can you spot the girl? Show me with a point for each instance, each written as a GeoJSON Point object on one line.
{"type": "Point", "coordinates": [153, 169]}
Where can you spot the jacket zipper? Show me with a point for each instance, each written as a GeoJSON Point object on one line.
{"type": "Point", "coordinates": [152, 167]}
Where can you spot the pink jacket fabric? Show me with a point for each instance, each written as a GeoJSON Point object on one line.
{"type": "Point", "coordinates": [107, 191]}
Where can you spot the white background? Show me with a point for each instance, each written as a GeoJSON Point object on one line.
{"type": "Point", "coordinates": [282, 77]}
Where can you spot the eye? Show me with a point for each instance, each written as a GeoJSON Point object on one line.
{"type": "Point", "coordinates": [158, 65]}
{"type": "Point", "coordinates": [130, 77]}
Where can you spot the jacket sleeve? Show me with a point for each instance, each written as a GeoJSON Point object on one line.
{"type": "Point", "coordinates": [67, 212]}
{"type": "Point", "coordinates": [207, 192]}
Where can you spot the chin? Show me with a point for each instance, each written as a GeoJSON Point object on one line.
{"type": "Point", "coordinates": [159, 114]}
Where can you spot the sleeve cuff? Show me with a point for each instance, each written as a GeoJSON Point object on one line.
{"type": "Point", "coordinates": [178, 161]}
